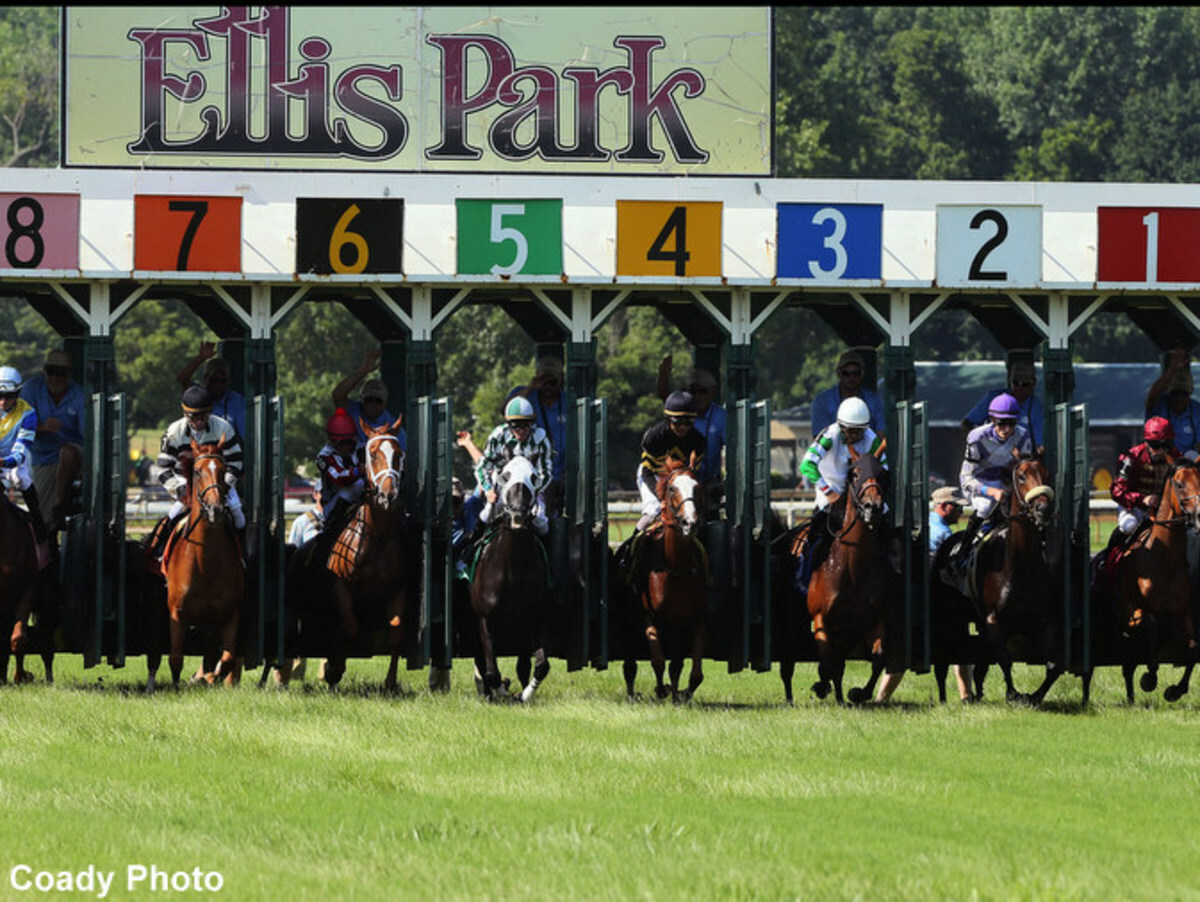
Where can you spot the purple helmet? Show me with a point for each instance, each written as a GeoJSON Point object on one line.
{"type": "Point", "coordinates": [1004, 407]}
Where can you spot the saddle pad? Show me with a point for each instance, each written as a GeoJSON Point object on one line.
{"type": "Point", "coordinates": [350, 546]}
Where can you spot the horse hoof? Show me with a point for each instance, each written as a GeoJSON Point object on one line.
{"type": "Point", "coordinates": [1149, 682]}
{"type": "Point", "coordinates": [856, 696]}
{"type": "Point", "coordinates": [820, 690]}
{"type": "Point", "coordinates": [662, 691]}
{"type": "Point", "coordinates": [1173, 693]}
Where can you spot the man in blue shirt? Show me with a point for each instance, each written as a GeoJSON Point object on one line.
{"type": "Point", "coordinates": [1022, 380]}
{"type": "Point", "coordinates": [57, 451]}
{"type": "Point", "coordinates": [710, 423]}
{"type": "Point", "coordinates": [549, 399]}
{"type": "Point", "coordinates": [1170, 397]}
{"type": "Point", "coordinates": [850, 370]}
{"type": "Point", "coordinates": [372, 405]}
{"type": "Point", "coordinates": [228, 404]}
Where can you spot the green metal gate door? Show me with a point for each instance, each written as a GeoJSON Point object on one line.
{"type": "Point", "coordinates": [434, 508]}
{"type": "Point", "coordinates": [587, 517]}
{"type": "Point", "coordinates": [909, 642]}
{"type": "Point", "coordinates": [266, 530]}
{"type": "Point", "coordinates": [1072, 493]}
{"type": "Point", "coordinates": [751, 538]}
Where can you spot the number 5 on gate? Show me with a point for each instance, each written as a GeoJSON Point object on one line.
{"type": "Point", "coordinates": [510, 237]}
{"type": "Point", "coordinates": [187, 234]}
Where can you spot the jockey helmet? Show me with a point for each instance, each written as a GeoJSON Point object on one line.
{"type": "Point", "coordinates": [10, 380]}
{"type": "Point", "coordinates": [679, 404]}
{"type": "Point", "coordinates": [1004, 407]}
{"type": "Point", "coordinates": [853, 413]}
{"type": "Point", "coordinates": [519, 411]}
{"type": "Point", "coordinates": [1158, 429]}
{"type": "Point", "coordinates": [340, 426]}
{"type": "Point", "coordinates": [196, 399]}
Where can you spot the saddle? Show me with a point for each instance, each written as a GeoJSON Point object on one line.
{"type": "Point", "coordinates": [475, 551]}
{"type": "Point", "coordinates": [962, 565]}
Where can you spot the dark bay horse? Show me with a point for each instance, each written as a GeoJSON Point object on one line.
{"type": "Point", "coordinates": [1154, 591]}
{"type": "Point", "coordinates": [19, 580]}
{"type": "Point", "coordinates": [846, 596]}
{"type": "Point", "coordinates": [206, 580]}
{"type": "Point", "coordinates": [1012, 586]}
{"type": "Point", "coordinates": [510, 587]}
{"type": "Point", "coordinates": [370, 558]}
{"type": "Point", "coordinates": [671, 579]}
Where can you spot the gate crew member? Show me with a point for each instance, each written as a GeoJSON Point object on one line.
{"type": "Point", "coordinates": [518, 436]}
{"type": "Point", "coordinates": [1022, 379]}
{"type": "Point", "coordinates": [827, 464]}
{"type": "Point", "coordinates": [986, 474]}
{"type": "Point", "coordinates": [18, 424]}
{"type": "Point", "coordinates": [173, 465]}
{"type": "Point", "coordinates": [1170, 397]}
{"type": "Point", "coordinates": [58, 446]}
{"type": "Point", "coordinates": [851, 369]}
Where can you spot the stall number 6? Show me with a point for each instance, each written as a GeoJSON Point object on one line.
{"type": "Point", "coordinates": [832, 241]}
{"type": "Point", "coordinates": [501, 233]}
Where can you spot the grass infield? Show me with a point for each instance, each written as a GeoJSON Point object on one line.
{"type": "Point", "coordinates": [306, 794]}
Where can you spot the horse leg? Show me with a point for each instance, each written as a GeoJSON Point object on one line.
{"type": "Point", "coordinates": [787, 670]}
{"type": "Point", "coordinates": [629, 668]}
{"type": "Point", "coordinates": [540, 672]}
{"type": "Point", "coordinates": [1127, 669]}
{"type": "Point", "coordinates": [674, 669]}
{"type": "Point", "coordinates": [857, 695]}
{"type": "Point", "coordinates": [697, 674]}
{"type": "Point", "coordinates": [175, 659]}
{"type": "Point", "coordinates": [1000, 648]}
{"type": "Point", "coordinates": [657, 661]}
{"type": "Point", "coordinates": [524, 668]}
{"type": "Point", "coordinates": [491, 671]}
{"type": "Point", "coordinates": [1149, 680]}
{"type": "Point", "coordinates": [225, 665]}
{"type": "Point", "coordinates": [821, 687]}
{"type": "Point", "coordinates": [395, 649]}
{"type": "Point", "coordinates": [939, 676]}
{"type": "Point", "coordinates": [1183, 628]}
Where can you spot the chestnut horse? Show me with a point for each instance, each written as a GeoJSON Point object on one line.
{"type": "Point", "coordinates": [510, 588]}
{"type": "Point", "coordinates": [206, 580]}
{"type": "Point", "coordinates": [670, 575]}
{"type": "Point", "coordinates": [369, 562]}
{"type": "Point", "coordinates": [1012, 587]}
{"type": "Point", "coordinates": [846, 594]}
{"type": "Point", "coordinates": [1154, 589]}
{"type": "Point", "coordinates": [18, 587]}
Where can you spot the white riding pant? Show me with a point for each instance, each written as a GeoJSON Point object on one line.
{"type": "Point", "coordinates": [1127, 521]}
{"type": "Point", "coordinates": [647, 484]}
{"type": "Point", "coordinates": [982, 504]}
{"type": "Point", "coordinates": [233, 501]}
{"type": "Point", "coordinates": [18, 477]}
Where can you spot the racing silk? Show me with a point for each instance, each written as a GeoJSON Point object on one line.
{"type": "Point", "coordinates": [553, 419]}
{"type": "Point", "coordinates": [825, 408]}
{"type": "Point", "coordinates": [1139, 476]}
{"type": "Point", "coordinates": [988, 462]}
{"type": "Point", "coordinates": [17, 429]}
{"type": "Point", "coordinates": [827, 460]}
{"type": "Point", "coordinates": [502, 446]}
{"type": "Point", "coordinates": [660, 443]}
{"type": "Point", "coordinates": [1031, 418]}
{"type": "Point", "coordinates": [337, 473]}
{"type": "Point", "coordinates": [169, 471]}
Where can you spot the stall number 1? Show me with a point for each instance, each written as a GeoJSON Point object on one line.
{"type": "Point", "coordinates": [1148, 245]}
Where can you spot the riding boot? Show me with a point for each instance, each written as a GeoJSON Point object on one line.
{"type": "Point", "coordinates": [969, 535]}
{"type": "Point", "coordinates": [35, 512]}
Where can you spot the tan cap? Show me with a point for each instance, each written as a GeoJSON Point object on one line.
{"type": "Point", "coordinates": [948, 494]}
{"type": "Point", "coordinates": [850, 357]}
{"type": "Point", "coordinates": [58, 357]}
{"type": "Point", "coordinates": [375, 388]}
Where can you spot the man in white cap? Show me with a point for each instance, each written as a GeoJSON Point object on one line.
{"type": "Point", "coordinates": [57, 450]}
{"type": "Point", "coordinates": [851, 369]}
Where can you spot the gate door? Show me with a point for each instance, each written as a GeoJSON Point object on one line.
{"type": "Point", "coordinates": [587, 508]}
{"type": "Point", "coordinates": [1072, 505]}
{"type": "Point", "coordinates": [751, 538]}
{"type": "Point", "coordinates": [434, 508]}
{"type": "Point", "coordinates": [908, 613]}
{"type": "Point", "coordinates": [266, 529]}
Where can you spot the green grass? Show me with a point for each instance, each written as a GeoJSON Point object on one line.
{"type": "Point", "coordinates": [307, 794]}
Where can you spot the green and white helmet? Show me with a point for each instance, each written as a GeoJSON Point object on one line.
{"type": "Point", "coordinates": [10, 380]}
{"type": "Point", "coordinates": [519, 411]}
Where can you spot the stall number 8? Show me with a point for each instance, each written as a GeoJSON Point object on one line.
{"type": "Point", "coordinates": [29, 230]}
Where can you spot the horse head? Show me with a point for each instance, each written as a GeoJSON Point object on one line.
{"type": "Point", "coordinates": [515, 489]}
{"type": "Point", "coordinates": [866, 486]}
{"type": "Point", "coordinates": [1184, 485]}
{"type": "Point", "coordinates": [1032, 495]}
{"type": "Point", "coordinates": [208, 478]}
{"type": "Point", "coordinates": [385, 462]}
{"type": "Point", "coordinates": [677, 492]}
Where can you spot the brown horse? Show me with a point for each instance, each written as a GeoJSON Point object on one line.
{"type": "Point", "coordinates": [1012, 587]}
{"type": "Point", "coordinates": [846, 600]}
{"type": "Point", "coordinates": [206, 580]}
{"type": "Point", "coordinates": [509, 589]}
{"type": "Point", "coordinates": [18, 587]}
{"type": "Point", "coordinates": [369, 562]}
{"type": "Point", "coordinates": [1154, 589]}
{"type": "Point", "coordinates": [670, 575]}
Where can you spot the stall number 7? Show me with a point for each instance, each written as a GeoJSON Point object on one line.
{"type": "Point", "coordinates": [187, 234]}
{"type": "Point", "coordinates": [998, 247]}
{"type": "Point", "coordinates": [1148, 245]}
{"type": "Point", "coordinates": [829, 241]}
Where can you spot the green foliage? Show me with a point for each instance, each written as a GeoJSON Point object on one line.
{"type": "Point", "coordinates": [29, 85]}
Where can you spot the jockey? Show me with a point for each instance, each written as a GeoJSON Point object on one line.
{"type": "Point", "coordinates": [341, 479]}
{"type": "Point", "coordinates": [18, 424]}
{"type": "Point", "coordinates": [671, 437]}
{"type": "Point", "coordinates": [827, 465]}
{"type": "Point", "coordinates": [519, 436]}
{"type": "Point", "coordinates": [992, 450]}
{"type": "Point", "coordinates": [1143, 470]}
{"type": "Point", "coordinates": [172, 468]}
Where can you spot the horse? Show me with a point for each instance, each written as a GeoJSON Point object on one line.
{"type": "Point", "coordinates": [671, 579]}
{"type": "Point", "coordinates": [1154, 591]}
{"type": "Point", "coordinates": [370, 558]}
{"type": "Point", "coordinates": [510, 587]}
{"type": "Point", "coordinates": [206, 580]}
{"type": "Point", "coordinates": [19, 581]}
{"type": "Point", "coordinates": [846, 601]}
{"type": "Point", "coordinates": [1010, 584]}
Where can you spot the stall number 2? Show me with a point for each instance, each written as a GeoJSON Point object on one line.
{"type": "Point", "coordinates": [995, 246]}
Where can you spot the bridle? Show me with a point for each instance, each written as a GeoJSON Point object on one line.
{"type": "Point", "coordinates": [377, 474]}
{"type": "Point", "coordinates": [673, 511]}
{"type": "Point", "coordinates": [1187, 517]}
{"type": "Point", "coordinates": [213, 484]}
{"type": "Point", "coordinates": [1028, 503]}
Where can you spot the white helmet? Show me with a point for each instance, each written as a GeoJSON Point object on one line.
{"type": "Point", "coordinates": [853, 414]}
{"type": "Point", "coordinates": [10, 380]}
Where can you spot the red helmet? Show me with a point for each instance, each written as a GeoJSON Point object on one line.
{"type": "Point", "coordinates": [340, 426]}
{"type": "Point", "coordinates": [1158, 429]}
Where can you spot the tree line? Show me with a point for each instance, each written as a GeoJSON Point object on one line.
{"type": "Point", "coordinates": [993, 93]}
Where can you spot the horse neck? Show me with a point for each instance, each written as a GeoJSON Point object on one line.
{"type": "Point", "coordinates": [1163, 529]}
